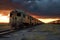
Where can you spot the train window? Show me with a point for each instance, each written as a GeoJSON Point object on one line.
{"type": "Point", "coordinates": [18, 14]}
{"type": "Point", "coordinates": [23, 15]}
{"type": "Point", "coordinates": [11, 14]}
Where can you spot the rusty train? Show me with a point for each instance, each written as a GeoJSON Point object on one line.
{"type": "Point", "coordinates": [19, 19]}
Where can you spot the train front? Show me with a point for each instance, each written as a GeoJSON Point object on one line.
{"type": "Point", "coordinates": [14, 19]}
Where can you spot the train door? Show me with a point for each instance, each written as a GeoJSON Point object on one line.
{"type": "Point", "coordinates": [24, 18]}
{"type": "Point", "coordinates": [27, 20]}
{"type": "Point", "coordinates": [19, 21]}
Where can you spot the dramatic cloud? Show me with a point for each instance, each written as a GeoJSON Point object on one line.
{"type": "Point", "coordinates": [39, 7]}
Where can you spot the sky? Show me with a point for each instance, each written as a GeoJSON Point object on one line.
{"type": "Point", "coordinates": [39, 8]}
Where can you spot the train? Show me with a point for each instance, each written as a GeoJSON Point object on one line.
{"type": "Point", "coordinates": [19, 19]}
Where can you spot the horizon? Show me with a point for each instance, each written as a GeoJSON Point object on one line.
{"type": "Point", "coordinates": [5, 19]}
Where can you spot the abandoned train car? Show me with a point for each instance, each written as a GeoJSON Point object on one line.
{"type": "Point", "coordinates": [19, 19]}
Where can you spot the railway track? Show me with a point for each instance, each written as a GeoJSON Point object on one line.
{"type": "Point", "coordinates": [5, 32]}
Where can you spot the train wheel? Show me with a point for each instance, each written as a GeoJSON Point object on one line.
{"type": "Point", "coordinates": [13, 27]}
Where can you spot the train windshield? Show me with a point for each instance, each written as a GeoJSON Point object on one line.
{"type": "Point", "coordinates": [18, 14]}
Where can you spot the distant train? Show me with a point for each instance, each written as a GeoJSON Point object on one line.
{"type": "Point", "coordinates": [19, 19]}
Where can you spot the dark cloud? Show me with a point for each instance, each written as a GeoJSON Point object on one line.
{"type": "Point", "coordinates": [9, 5]}
{"type": "Point", "coordinates": [40, 7]}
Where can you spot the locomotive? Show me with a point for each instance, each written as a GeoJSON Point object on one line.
{"type": "Point", "coordinates": [19, 19]}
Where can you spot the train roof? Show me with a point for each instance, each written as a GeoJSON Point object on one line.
{"type": "Point", "coordinates": [17, 10]}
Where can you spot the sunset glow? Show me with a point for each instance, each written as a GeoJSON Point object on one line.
{"type": "Point", "coordinates": [4, 16]}
{"type": "Point", "coordinates": [48, 20]}
{"type": "Point", "coordinates": [4, 19]}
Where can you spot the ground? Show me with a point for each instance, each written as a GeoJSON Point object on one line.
{"type": "Point", "coordinates": [4, 26]}
{"type": "Point", "coordinates": [40, 32]}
